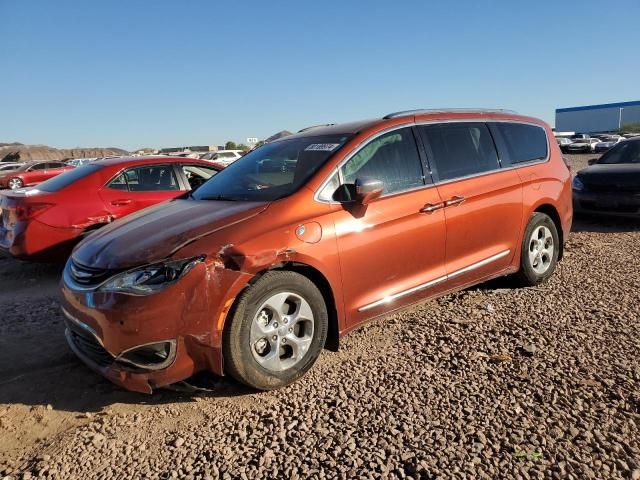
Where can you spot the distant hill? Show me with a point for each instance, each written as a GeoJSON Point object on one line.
{"type": "Point", "coordinates": [17, 152]}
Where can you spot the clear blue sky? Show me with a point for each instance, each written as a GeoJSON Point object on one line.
{"type": "Point", "coordinates": [135, 73]}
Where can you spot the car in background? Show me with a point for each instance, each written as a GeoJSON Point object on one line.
{"type": "Point", "coordinates": [222, 157]}
{"type": "Point", "coordinates": [582, 145]}
{"type": "Point", "coordinates": [78, 162]}
{"type": "Point", "coordinates": [6, 167]}
{"type": "Point", "coordinates": [607, 143]}
{"type": "Point", "coordinates": [309, 236]}
{"type": "Point", "coordinates": [32, 173]}
{"type": "Point", "coordinates": [563, 142]}
{"type": "Point", "coordinates": [579, 136]}
{"type": "Point", "coordinates": [611, 183]}
{"type": "Point", "coordinates": [45, 222]}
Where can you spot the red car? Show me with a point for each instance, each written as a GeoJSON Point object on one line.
{"type": "Point", "coordinates": [32, 173]}
{"type": "Point", "coordinates": [44, 223]}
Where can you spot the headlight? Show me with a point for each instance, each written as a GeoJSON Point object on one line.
{"type": "Point", "coordinates": [577, 184]}
{"type": "Point", "coordinates": [150, 278]}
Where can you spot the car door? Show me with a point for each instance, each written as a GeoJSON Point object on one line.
{"type": "Point", "coordinates": [139, 187]}
{"type": "Point", "coordinates": [392, 250]}
{"type": "Point", "coordinates": [53, 169]}
{"type": "Point", "coordinates": [483, 201]}
{"type": "Point", "coordinates": [35, 174]}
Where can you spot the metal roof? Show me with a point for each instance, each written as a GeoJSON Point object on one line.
{"type": "Point", "coordinates": [635, 103]}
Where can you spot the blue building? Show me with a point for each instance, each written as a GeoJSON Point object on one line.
{"type": "Point", "coordinates": [597, 118]}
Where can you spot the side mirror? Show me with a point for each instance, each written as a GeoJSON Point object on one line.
{"type": "Point", "coordinates": [368, 189]}
{"type": "Point", "coordinates": [592, 161]}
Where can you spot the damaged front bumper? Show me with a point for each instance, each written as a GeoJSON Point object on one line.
{"type": "Point", "coordinates": [145, 342]}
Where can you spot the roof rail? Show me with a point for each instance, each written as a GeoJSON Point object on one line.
{"type": "Point", "coordinates": [315, 126]}
{"type": "Point", "coordinates": [445, 110]}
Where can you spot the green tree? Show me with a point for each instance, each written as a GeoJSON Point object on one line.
{"type": "Point", "coordinates": [230, 145]}
{"type": "Point", "coordinates": [630, 128]}
{"type": "Point", "coordinates": [242, 146]}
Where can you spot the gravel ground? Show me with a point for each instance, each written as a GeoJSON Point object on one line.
{"type": "Point", "coordinates": [491, 382]}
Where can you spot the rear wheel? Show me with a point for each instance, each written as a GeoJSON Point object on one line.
{"type": "Point", "coordinates": [540, 249]}
{"type": "Point", "coordinates": [15, 183]}
{"type": "Point", "coordinates": [277, 331]}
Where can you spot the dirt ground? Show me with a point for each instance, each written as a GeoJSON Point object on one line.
{"type": "Point", "coordinates": [489, 382]}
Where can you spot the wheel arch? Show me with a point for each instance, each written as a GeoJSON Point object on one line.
{"type": "Point", "coordinates": [552, 212]}
{"type": "Point", "coordinates": [320, 281]}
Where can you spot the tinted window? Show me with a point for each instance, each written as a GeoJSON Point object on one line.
{"type": "Point", "coordinates": [55, 165]}
{"type": "Point", "coordinates": [624, 152]}
{"type": "Point", "coordinates": [67, 178]}
{"type": "Point", "coordinates": [392, 158]}
{"type": "Point", "coordinates": [460, 149]}
{"type": "Point", "coordinates": [38, 166]}
{"type": "Point", "coordinates": [524, 143]}
{"type": "Point", "coordinates": [272, 171]}
{"type": "Point", "coordinates": [151, 178]}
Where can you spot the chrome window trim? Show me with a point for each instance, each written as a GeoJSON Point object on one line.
{"type": "Point", "coordinates": [435, 281]}
{"type": "Point", "coordinates": [360, 145]}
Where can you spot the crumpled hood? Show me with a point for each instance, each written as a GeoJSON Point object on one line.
{"type": "Point", "coordinates": [156, 232]}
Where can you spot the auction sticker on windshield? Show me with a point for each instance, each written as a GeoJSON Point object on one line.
{"type": "Point", "coordinates": [322, 147]}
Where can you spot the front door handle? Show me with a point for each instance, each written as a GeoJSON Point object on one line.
{"type": "Point", "coordinates": [457, 200]}
{"type": "Point", "coordinates": [431, 207]}
{"type": "Point", "coordinates": [119, 203]}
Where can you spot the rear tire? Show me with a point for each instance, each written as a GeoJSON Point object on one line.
{"type": "Point", "coordinates": [277, 331]}
{"type": "Point", "coordinates": [540, 250]}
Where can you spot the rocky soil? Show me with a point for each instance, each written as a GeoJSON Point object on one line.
{"type": "Point", "coordinates": [17, 152]}
{"type": "Point", "coordinates": [491, 382]}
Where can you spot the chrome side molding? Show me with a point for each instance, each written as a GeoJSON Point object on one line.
{"type": "Point", "coordinates": [431, 283]}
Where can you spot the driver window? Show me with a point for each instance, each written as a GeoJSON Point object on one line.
{"type": "Point", "coordinates": [196, 175]}
{"type": "Point", "coordinates": [392, 158]}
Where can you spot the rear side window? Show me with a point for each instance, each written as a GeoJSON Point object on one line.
{"type": "Point", "coordinates": [65, 179]}
{"type": "Point", "coordinates": [458, 150]}
{"type": "Point", "coordinates": [38, 166]}
{"type": "Point", "coordinates": [154, 178]}
{"type": "Point", "coordinates": [392, 158]}
{"type": "Point", "coordinates": [523, 143]}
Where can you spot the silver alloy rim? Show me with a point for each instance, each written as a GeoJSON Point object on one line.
{"type": "Point", "coordinates": [282, 331]}
{"type": "Point", "coordinates": [541, 249]}
{"type": "Point", "coordinates": [14, 184]}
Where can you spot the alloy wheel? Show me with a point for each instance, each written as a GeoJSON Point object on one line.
{"type": "Point", "coordinates": [541, 249]}
{"type": "Point", "coordinates": [282, 331]}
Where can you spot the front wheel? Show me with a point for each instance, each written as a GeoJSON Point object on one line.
{"type": "Point", "coordinates": [276, 332]}
{"type": "Point", "coordinates": [15, 183]}
{"type": "Point", "coordinates": [540, 249]}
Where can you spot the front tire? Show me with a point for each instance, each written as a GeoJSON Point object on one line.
{"type": "Point", "coordinates": [15, 183]}
{"type": "Point", "coordinates": [276, 332]}
{"type": "Point", "coordinates": [540, 250]}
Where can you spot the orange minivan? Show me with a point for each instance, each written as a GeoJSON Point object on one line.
{"type": "Point", "coordinates": [270, 261]}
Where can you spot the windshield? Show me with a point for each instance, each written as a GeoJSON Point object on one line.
{"type": "Point", "coordinates": [623, 152]}
{"type": "Point", "coordinates": [63, 180]}
{"type": "Point", "coordinates": [273, 171]}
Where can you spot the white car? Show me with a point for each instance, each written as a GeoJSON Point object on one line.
{"type": "Point", "coordinates": [582, 145]}
{"type": "Point", "coordinates": [8, 166]}
{"type": "Point", "coordinates": [606, 144]}
{"type": "Point", "coordinates": [222, 157]}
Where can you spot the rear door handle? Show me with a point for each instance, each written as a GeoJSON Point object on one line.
{"type": "Point", "coordinates": [457, 200]}
{"type": "Point", "coordinates": [124, 201]}
{"type": "Point", "coordinates": [431, 207]}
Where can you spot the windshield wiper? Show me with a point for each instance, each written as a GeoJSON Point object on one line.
{"type": "Point", "coordinates": [222, 198]}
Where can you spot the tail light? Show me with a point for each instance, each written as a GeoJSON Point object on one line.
{"type": "Point", "coordinates": [27, 211]}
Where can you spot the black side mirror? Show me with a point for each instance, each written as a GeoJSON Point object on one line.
{"type": "Point", "coordinates": [592, 161]}
{"type": "Point", "coordinates": [368, 189]}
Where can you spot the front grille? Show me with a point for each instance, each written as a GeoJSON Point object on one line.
{"type": "Point", "coordinates": [613, 188]}
{"type": "Point", "coordinates": [91, 348]}
{"type": "Point", "coordinates": [88, 276]}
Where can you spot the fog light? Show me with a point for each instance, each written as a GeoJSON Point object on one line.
{"type": "Point", "coordinates": [151, 356]}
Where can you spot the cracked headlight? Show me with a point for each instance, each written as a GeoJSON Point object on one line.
{"type": "Point", "coordinates": [150, 278]}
